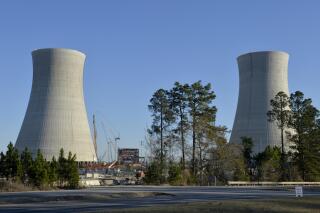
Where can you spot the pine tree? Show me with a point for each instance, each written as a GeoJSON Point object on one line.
{"type": "Point", "coordinates": [247, 145]}
{"type": "Point", "coordinates": [200, 109]}
{"type": "Point", "coordinates": [306, 145]}
{"type": "Point", "coordinates": [178, 99]}
{"type": "Point", "coordinates": [52, 171]}
{"type": "Point", "coordinates": [27, 163]}
{"type": "Point", "coordinates": [162, 119]}
{"type": "Point", "coordinates": [12, 164]}
{"type": "Point", "coordinates": [2, 164]}
{"type": "Point", "coordinates": [39, 175]}
{"type": "Point", "coordinates": [62, 169]}
{"type": "Point", "coordinates": [280, 113]}
{"type": "Point", "coordinates": [73, 172]}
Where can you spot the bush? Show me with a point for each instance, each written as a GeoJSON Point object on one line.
{"type": "Point", "coordinates": [175, 174]}
{"type": "Point", "coordinates": [153, 174]}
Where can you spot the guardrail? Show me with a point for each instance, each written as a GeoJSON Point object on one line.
{"type": "Point", "coordinates": [267, 183]}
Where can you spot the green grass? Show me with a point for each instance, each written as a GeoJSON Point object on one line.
{"type": "Point", "coordinates": [296, 205]}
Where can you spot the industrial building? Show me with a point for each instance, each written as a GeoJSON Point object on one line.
{"type": "Point", "coordinates": [128, 156]}
{"type": "Point", "coordinates": [261, 76]}
{"type": "Point", "coordinates": [56, 115]}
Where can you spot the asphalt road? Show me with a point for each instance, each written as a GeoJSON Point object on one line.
{"type": "Point", "coordinates": [96, 199]}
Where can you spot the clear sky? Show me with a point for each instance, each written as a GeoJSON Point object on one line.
{"type": "Point", "coordinates": [136, 47]}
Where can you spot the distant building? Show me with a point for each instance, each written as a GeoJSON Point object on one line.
{"type": "Point", "coordinates": [128, 156]}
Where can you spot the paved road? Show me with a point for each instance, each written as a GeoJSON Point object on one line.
{"type": "Point", "coordinates": [95, 199]}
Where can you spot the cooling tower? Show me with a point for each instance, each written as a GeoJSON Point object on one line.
{"type": "Point", "coordinates": [56, 115]}
{"type": "Point", "coordinates": [261, 76]}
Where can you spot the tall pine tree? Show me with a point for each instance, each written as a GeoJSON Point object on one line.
{"type": "Point", "coordinates": [162, 118]}
{"type": "Point", "coordinates": [280, 113]}
{"type": "Point", "coordinates": [201, 113]}
{"type": "Point", "coordinates": [305, 138]}
{"type": "Point", "coordinates": [179, 101]}
{"type": "Point", "coordinates": [27, 163]}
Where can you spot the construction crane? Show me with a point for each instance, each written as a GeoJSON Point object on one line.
{"type": "Point", "coordinates": [112, 142]}
{"type": "Point", "coordinates": [112, 145]}
{"type": "Point", "coordinates": [107, 140]}
{"type": "Point", "coordinates": [113, 148]}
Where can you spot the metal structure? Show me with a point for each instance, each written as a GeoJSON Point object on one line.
{"type": "Point", "coordinates": [56, 116]}
{"type": "Point", "coordinates": [111, 146]}
{"type": "Point", "coordinates": [261, 76]}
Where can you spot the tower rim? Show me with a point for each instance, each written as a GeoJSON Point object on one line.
{"type": "Point", "coordinates": [263, 52]}
{"type": "Point", "coordinates": [49, 49]}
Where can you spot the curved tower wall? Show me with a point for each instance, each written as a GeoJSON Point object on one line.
{"type": "Point", "coordinates": [261, 76]}
{"type": "Point", "coordinates": [56, 116]}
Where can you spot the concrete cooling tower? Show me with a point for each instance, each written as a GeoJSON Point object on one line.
{"type": "Point", "coordinates": [56, 116]}
{"type": "Point", "coordinates": [261, 76]}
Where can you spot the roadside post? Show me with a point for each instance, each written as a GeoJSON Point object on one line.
{"type": "Point", "coordinates": [299, 191]}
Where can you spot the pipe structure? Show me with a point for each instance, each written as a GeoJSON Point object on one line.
{"type": "Point", "coordinates": [56, 115]}
{"type": "Point", "coordinates": [261, 76]}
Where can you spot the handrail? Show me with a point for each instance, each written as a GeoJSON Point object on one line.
{"type": "Point", "coordinates": [270, 183]}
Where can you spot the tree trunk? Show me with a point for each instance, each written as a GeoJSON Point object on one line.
{"type": "Point", "coordinates": [161, 139]}
{"type": "Point", "coordinates": [282, 142]}
{"type": "Point", "coordinates": [200, 158]}
{"type": "Point", "coordinates": [193, 147]}
{"type": "Point", "coordinates": [282, 158]}
{"type": "Point", "coordinates": [182, 139]}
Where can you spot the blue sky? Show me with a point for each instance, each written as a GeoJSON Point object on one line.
{"type": "Point", "coordinates": [135, 47]}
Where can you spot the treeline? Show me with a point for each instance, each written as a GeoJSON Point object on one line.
{"type": "Point", "coordinates": [183, 134]}
{"type": "Point", "coordinates": [38, 172]}
{"type": "Point", "coordinates": [186, 147]}
{"type": "Point", "coordinates": [298, 156]}
{"type": "Point", "coordinates": [299, 123]}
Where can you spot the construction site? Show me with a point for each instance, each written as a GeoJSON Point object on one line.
{"type": "Point", "coordinates": [115, 166]}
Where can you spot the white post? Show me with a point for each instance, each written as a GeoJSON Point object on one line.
{"type": "Point", "coordinates": [299, 191]}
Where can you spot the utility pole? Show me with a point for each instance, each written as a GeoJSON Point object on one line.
{"type": "Point", "coordinates": [95, 136]}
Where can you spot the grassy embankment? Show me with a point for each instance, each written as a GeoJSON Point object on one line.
{"type": "Point", "coordinates": [296, 205]}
